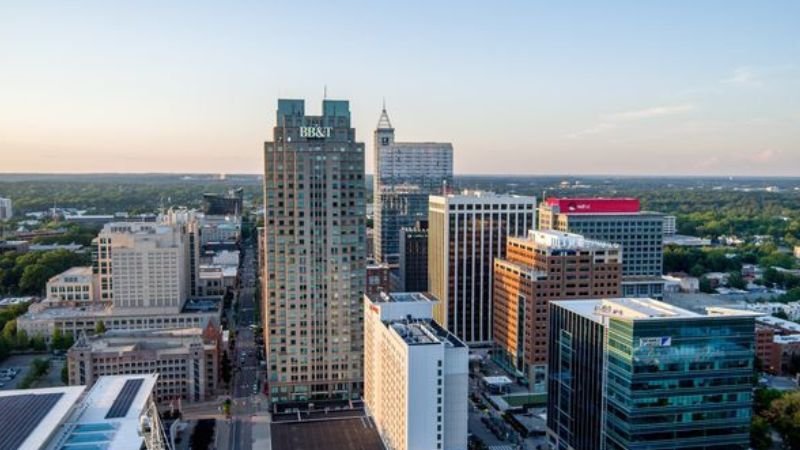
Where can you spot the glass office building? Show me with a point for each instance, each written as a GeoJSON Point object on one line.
{"type": "Point", "coordinates": [670, 378]}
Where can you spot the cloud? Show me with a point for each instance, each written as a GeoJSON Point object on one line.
{"type": "Point", "coordinates": [744, 76]}
{"type": "Point", "coordinates": [764, 156]}
{"type": "Point", "coordinates": [614, 121]}
{"type": "Point", "coordinates": [649, 113]}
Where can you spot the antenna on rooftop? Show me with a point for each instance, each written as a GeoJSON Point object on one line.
{"type": "Point", "coordinates": [325, 92]}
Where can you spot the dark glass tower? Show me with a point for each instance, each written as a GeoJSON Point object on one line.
{"type": "Point", "coordinates": [648, 375]}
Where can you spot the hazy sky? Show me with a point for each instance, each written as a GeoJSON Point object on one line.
{"type": "Point", "coordinates": [601, 87]}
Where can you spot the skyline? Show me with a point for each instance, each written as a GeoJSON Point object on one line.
{"type": "Point", "coordinates": [706, 89]}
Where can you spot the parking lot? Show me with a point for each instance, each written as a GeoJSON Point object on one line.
{"type": "Point", "coordinates": [20, 363]}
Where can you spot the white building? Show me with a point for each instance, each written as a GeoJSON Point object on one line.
{"type": "Point", "coordinates": [792, 310]}
{"type": "Point", "coordinates": [681, 283]}
{"type": "Point", "coordinates": [670, 227]}
{"type": "Point", "coordinates": [76, 284]}
{"type": "Point", "coordinates": [465, 233]}
{"type": "Point", "coordinates": [6, 212]}
{"type": "Point", "coordinates": [415, 374]}
{"type": "Point", "coordinates": [143, 265]}
{"type": "Point", "coordinates": [117, 413]}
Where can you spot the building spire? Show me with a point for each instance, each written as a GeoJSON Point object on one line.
{"type": "Point", "coordinates": [384, 123]}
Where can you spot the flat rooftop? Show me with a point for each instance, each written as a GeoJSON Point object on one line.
{"type": "Point", "coordinates": [108, 416]}
{"type": "Point", "coordinates": [336, 434]}
{"type": "Point", "coordinates": [29, 417]}
{"type": "Point", "coordinates": [384, 297]}
{"type": "Point", "coordinates": [424, 331]}
{"type": "Point", "coordinates": [560, 240]}
{"type": "Point", "coordinates": [626, 308]}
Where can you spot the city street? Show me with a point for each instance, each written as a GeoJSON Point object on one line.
{"type": "Point", "coordinates": [248, 406]}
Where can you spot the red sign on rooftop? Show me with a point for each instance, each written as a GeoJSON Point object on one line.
{"type": "Point", "coordinates": [595, 205]}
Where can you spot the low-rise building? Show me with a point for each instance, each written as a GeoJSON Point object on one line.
{"type": "Point", "coordinates": [76, 284]}
{"type": "Point", "coordinates": [187, 360]}
{"type": "Point", "coordinates": [797, 251]}
{"type": "Point", "coordinates": [14, 246]}
{"type": "Point", "coordinates": [415, 374]}
{"type": "Point", "coordinates": [117, 413]}
{"type": "Point", "coordinates": [792, 310]}
{"type": "Point", "coordinates": [683, 282]}
{"type": "Point", "coordinates": [44, 318]}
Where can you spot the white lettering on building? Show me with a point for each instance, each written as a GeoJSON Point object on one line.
{"type": "Point", "coordinates": [315, 132]}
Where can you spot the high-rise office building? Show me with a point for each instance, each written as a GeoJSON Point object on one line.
{"type": "Point", "coordinates": [635, 374]}
{"type": "Point", "coordinates": [537, 269]}
{"type": "Point", "coordinates": [621, 221]}
{"type": "Point", "coordinates": [229, 204]}
{"type": "Point", "coordinates": [465, 233]}
{"type": "Point", "coordinates": [405, 174]}
{"type": "Point", "coordinates": [415, 374]}
{"type": "Point", "coordinates": [143, 265]}
{"type": "Point", "coordinates": [6, 211]}
{"type": "Point", "coordinates": [314, 271]}
{"type": "Point", "coordinates": [413, 264]}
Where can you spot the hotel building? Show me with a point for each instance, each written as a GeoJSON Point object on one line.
{"type": "Point", "coordinates": [143, 265]}
{"type": "Point", "coordinates": [636, 374]}
{"type": "Point", "coordinates": [315, 252]}
{"type": "Point", "coordinates": [620, 221]}
{"type": "Point", "coordinates": [405, 174]}
{"type": "Point", "coordinates": [466, 232]}
{"type": "Point", "coordinates": [540, 268]}
{"type": "Point", "coordinates": [415, 374]}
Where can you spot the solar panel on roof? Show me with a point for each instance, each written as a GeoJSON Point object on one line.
{"type": "Point", "coordinates": [123, 401]}
{"type": "Point", "coordinates": [21, 414]}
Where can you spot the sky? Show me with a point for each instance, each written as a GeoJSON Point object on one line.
{"type": "Point", "coordinates": [531, 88]}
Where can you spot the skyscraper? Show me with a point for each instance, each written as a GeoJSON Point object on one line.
{"type": "Point", "coordinates": [413, 264]}
{"type": "Point", "coordinates": [314, 213]}
{"type": "Point", "coordinates": [6, 210]}
{"type": "Point", "coordinates": [621, 221]}
{"type": "Point", "coordinates": [537, 269]}
{"type": "Point", "coordinates": [636, 374]}
{"type": "Point", "coordinates": [465, 233]}
{"type": "Point", "coordinates": [405, 174]}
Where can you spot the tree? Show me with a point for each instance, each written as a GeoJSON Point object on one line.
{"type": "Point", "coordinates": [100, 327]}
{"type": "Point", "coordinates": [37, 342]}
{"type": "Point", "coordinates": [784, 415]}
{"type": "Point", "coordinates": [760, 435]}
{"type": "Point", "coordinates": [705, 285]}
{"type": "Point", "coordinates": [736, 281]}
{"type": "Point", "coordinates": [65, 374]}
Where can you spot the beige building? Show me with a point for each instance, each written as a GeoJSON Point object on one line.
{"type": "Point", "coordinates": [315, 252]}
{"type": "Point", "coordinates": [76, 284]}
{"type": "Point", "coordinates": [187, 360]}
{"type": "Point", "coordinates": [465, 233]}
{"type": "Point", "coordinates": [143, 265]}
{"type": "Point", "coordinates": [415, 374]}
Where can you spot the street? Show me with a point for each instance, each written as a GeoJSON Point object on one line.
{"type": "Point", "coordinates": [246, 406]}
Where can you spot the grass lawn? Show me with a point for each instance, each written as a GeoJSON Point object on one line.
{"type": "Point", "coordinates": [525, 399]}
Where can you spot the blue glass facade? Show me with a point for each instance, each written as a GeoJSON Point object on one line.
{"type": "Point", "coordinates": [680, 383]}
{"type": "Point", "coordinates": [654, 383]}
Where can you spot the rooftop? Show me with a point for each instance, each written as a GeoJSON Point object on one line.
{"type": "Point", "coordinates": [29, 417]}
{"type": "Point", "coordinates": [339, 434]}
{"type": "Point", "coordinates": [79, 271]}
{"type": "Point", "coordinates": [108, 416]}
{"type": "Point", "coordinates": [559, 240]}
{"type": "Point", "coordinates": [424, 331]}
{"type": "Point", "coordinates": [383, 297]}
{"type": "Point", "coordinates": [626, 308]}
